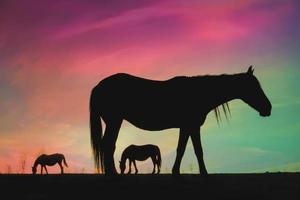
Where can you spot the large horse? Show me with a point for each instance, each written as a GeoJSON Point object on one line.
{"type": "Point", "coordinates": [140, 153]}
{"type": "Point", "coordinates": [49, 160]}
{"type": "Point", "coordinates": [180, 102]}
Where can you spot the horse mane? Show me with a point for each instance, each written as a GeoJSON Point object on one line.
{"type": "Point", "coordinates": [226, 110]}
{"type": "Point", "coordinates": [225, 106]}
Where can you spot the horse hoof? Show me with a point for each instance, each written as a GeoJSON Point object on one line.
{"type": "Point", "coordinates": [111, 173]}
{"type": "Point", "coordinates": [204, 175]}
{"type": "Point", "coordinates": [175, 172]}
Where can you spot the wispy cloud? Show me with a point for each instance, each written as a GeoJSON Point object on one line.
{"type": "Point", "coordinates": [53, 53]}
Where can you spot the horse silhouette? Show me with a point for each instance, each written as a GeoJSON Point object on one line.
{"type": "Point", "coordinates": [141, 153]}
{"type": "Point", "coordinates": [180, 102]}
{"type": "Point", "coordinates": [49, 160]}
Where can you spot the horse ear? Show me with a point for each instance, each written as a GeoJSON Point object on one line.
{"type": "Point", "coordinates": [250, 70]}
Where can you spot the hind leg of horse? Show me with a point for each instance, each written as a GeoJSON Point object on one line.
{"type": "Point", "coordinates": [109, 145]}
{"type": "Point", "coordinates": [61, 168]}
{"type": "Point", "coordinates": [183, 138]}
{"type": "Point", "coordinates": [154, 161]}
{"type": "Point", "coordinates": [134, 164]}
{"type": "Point", "coordinates": [158, 167]}
{"type": "Point", "coordinates": [46, 169]}
{"type": "Point", "coordinates": [196, 140]}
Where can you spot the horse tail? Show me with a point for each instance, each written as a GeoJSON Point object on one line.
{"type": "Point", "coordinates": [65, 162]}
{"type": "Point", "coordinates": [96, 131]}
{"type": "Point", "coordinates": [158, 158]}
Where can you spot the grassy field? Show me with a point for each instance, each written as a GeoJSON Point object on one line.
{"type": "Point", "coordinates": [92, 186]}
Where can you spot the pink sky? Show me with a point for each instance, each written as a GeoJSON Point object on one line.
{"type": "Point", "coordinates": [53, 53]}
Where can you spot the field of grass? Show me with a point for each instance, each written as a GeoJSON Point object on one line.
{"type": "Point", "coordinates": [92, 186]}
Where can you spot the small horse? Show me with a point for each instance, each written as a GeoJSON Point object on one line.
{"type": "Point", "coordinates": [141, 153]}
{"type": "Point", "coordinates": [49, 160]}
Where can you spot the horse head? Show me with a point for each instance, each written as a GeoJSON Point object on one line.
{"type": "Point", "coordinates": [253, 94]}
{"type": "Point", "coordinates": [33, 170]}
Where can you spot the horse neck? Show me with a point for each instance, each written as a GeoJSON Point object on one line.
{"type": "Point", "coordinates": [222, 89]}
{"type": "Point", "coordinates": [36, 163]}
{"type": "Point", "coordinates": [124, 157]}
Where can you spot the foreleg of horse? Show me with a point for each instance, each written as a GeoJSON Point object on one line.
{"type": "Point", "coordinates": [61, 168]}
{"type": "Point", "coordinates": [196, 139]}
{"type": "Point", "coordinates": [158, 167]}
{"type": "Point", "coordinates": [134, 164]}
{"type": "Point", "coordinates": [42, 169]}
{"type": "Point", "coordinates": [109, 145]}
{"type": "Point", "coordinates": [183, 138]}
{"type": "Point", "coordinates": [130, 163]}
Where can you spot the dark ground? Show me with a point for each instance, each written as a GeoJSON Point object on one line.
{"type": "Point", "coordinates": [91, 186]}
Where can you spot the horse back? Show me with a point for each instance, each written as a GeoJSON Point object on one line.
{"type": "Point", "coordinates": [141, 152]}
{"type": "Point", "coordinates": [147, 104]}
{"type": "Point", "coordinates": [51, 159]}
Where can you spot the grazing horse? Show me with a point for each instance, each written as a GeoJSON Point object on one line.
{"type": "Point", "coordinates": [141, 153]}
{"type": "Point", "coordinates": [49, 160]}
{"type": "Point", "coordinates": [180, 102]}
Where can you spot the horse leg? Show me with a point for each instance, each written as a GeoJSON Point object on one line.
{"type": "Point", "coordinates": [153, 158]}
{"type": "Point", "coordinates": [61, 168]}
{"type": "Point", "coordinates": [157, 164]}
{"type": "Point", "coordinates": [46, 169]}
{"type": "Point", "coordinates": [134, 164]}
{"type": "Point", "coordinates": [130, 163]}
{"type": "Point", "coordinates": [196, 139]}
{"type": "Point", "coordinates": [183, 138]}
{"type": "Point", "coordinates": [42, 169]}
{"type": "Point", "coordinates": [109, 145]}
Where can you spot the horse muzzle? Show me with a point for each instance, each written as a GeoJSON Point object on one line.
{"type": "Point", "coordinates": [265, 114]}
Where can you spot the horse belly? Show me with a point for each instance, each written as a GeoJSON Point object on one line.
{"type": "Point", "coordinates": [152, 124]}
{"type": "Point", "coordinates": [141, 158]}
{"type": "Point", "coordinates": [51, 163]}
{"type": "Point", "coordinates": [152, 116]}
{"type": "Point", "coordinates": [152, 108]}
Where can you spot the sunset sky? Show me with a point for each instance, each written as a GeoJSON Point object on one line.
{"type": "Point", "coordinates": [53, 52]}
